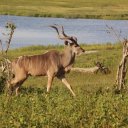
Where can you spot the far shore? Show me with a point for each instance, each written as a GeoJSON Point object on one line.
{"type": "Point", "coordinates": [87, 9]}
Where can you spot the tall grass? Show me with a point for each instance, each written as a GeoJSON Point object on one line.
{"type": "Point", "coordinates": [99, 9]}
{"type": "Point", "coordinates": [96, 105]}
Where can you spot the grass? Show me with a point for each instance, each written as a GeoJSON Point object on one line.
{"type": "Point", "coordinates": [95, 106]}
{"type": "Point", "coordinates": [98, 9]}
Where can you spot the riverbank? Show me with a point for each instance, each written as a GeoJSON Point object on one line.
{"type": "Point", "coordinates": [89, 9]}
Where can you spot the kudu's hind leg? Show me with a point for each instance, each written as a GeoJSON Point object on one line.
{"type": "Point", "coordinates": [16, 83]}
{"type": "Point", "coordinates": [64, 81]}
{"type": "Point", "coordinates": [11, 85]}
{"type": "Point", "coordinates": [18, 86]}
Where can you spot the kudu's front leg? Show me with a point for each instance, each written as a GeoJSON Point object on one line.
{"type": "Point", "coordinates": [50, 79]}
{"type": "Point", "coordinates": [64, 81]}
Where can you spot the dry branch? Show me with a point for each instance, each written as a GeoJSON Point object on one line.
{"type": "Point", "coordinates": [4, 62]}
{"type": "Point", "coordinates": [1, 47]}
{"type": "Point", "coordinates": [122, 68]}
{"type": "Point", "coordinates": [89, 52]}
{"type": "Point", "coordinates": [86, 70]}
{"type": "Point", "coordinates": [12, 27]}
{"type": "Point", "coordinates": [99, 67]}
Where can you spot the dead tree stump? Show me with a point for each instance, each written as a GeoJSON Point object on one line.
{"type": "Point", "coordinates": [122, 68]}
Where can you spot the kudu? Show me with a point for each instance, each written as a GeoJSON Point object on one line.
{"type": "Point", "coordinates": [52, 63]}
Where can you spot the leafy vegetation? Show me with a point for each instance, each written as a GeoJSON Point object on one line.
{"type": "Point", "coordinates": [95, 106]}
{"type": "Point", "coordinates": [98, 9]}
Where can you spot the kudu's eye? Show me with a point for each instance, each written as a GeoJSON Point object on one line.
{"type": "Point", "coordinates": [71, 44]}
{"type": "Point", "coordinates": [66, 42]}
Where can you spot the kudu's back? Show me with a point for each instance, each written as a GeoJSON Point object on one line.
{"type": "Point", "coordinates": [37, 65]}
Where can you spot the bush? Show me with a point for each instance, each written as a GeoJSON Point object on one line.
{"type": "Point", "coordinates": [2, 82]}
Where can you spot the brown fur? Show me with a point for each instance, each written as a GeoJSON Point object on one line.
{"type": "Point", "coordinates": [52, 64]}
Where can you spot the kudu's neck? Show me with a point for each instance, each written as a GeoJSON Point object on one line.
{"type": "Point", "coordinates": [68, 57]}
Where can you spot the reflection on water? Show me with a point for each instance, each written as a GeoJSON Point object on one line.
{"type": "Point", "coordinates": [35, 31]}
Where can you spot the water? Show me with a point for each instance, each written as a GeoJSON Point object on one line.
{"type": "Point", "coordinates": [35, 31]}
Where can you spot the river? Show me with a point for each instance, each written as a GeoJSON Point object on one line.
{"type": "Point", "coordinates": [36, 31]}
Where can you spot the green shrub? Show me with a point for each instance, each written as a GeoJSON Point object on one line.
{"type": "Point", "coordinates": [2, 82]}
